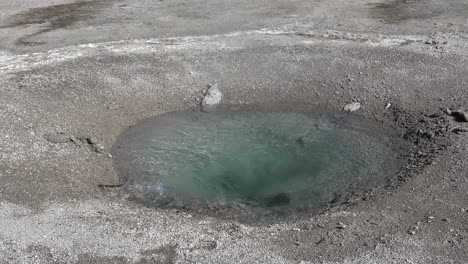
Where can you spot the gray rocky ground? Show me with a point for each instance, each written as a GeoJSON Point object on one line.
{"type": "Point", "coordinates": [74, 75]}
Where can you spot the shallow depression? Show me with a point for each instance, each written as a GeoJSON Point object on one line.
{"type": "Point", "coordinates": [256, 160]}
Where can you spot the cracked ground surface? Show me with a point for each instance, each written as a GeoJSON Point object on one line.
{"type": "Point", "coordinates": [75, 74]}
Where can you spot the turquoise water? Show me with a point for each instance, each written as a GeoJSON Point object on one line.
{"type": "Point", "coordinates": [263, 158]}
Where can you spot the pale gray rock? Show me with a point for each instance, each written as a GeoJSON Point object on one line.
{"type": "Point", "coordinates": [211, 98]}
{"type": "Point", "coordinates": [352, 107]}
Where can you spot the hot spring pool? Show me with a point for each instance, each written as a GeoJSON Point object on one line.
{"type": "Point", "coordinates": [265, 158]}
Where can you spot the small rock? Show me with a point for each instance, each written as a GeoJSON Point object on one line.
{"type": "Point", "coordinates": [296, 229]}
{"type": "Point", "coordinates": [388, 106]}
{"type": "Point", "coordinates": [112, 107]}
{"type": "Point", "coordinates": [212, 97]}
{"type": "Point", "coordinates": [92, 140]}
{"type": "Point", "coordinates": [352, 107]}
{"type": "Point", "coordinates": [340, 226]}
{"type": "Point", "coordinates": [57, 138]}
{"type": "Point", "coordinates": [98, 148]}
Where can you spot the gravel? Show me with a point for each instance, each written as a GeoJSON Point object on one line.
{"type": "Point", "coordinates": [62, 83]}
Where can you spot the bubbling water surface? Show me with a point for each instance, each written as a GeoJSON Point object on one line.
{"type": "Point", "coordinates": [266, 158]}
